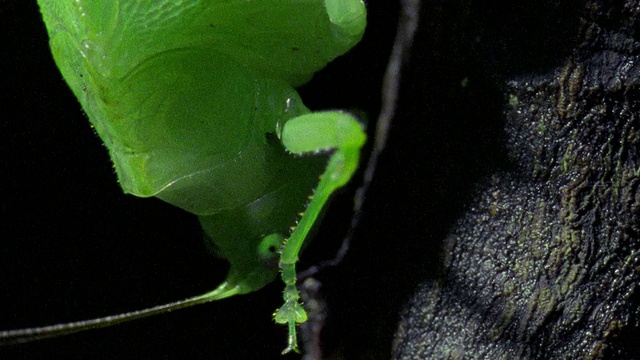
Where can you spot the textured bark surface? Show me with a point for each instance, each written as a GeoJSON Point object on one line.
{"type": "Point", "coordinates": [545, 264]}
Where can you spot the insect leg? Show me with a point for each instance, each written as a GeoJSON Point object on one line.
{"type": "Point", "coordinates": [330, 131]}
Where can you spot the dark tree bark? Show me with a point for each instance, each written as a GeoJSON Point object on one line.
{"type": "Point", "coordinates": [545, 263]}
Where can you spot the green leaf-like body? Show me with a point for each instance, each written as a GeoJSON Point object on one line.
{"type": "Point", "coordinates": [183, 92]}
{"type": "Point", "coordinates": [194, 100]}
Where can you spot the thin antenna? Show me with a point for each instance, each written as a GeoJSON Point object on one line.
{"type": "Point", "coordinates": [9, 337]}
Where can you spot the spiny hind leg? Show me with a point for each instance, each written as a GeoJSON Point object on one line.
{"type": "Point", "coordinates": [318, 132]}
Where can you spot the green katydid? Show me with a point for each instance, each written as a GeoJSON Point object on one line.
{"type": "Point", "coordinates": [194, 100]}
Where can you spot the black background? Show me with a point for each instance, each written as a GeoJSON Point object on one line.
{"type": "Point", "coordinates": [73, 247]}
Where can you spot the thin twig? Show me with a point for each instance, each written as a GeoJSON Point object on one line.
{"type": "Point", "coordinates": [400, 53]}
{"type": "Point", "coordinates": [407, 25]}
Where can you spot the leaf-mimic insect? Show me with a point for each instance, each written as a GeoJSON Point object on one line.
{"type": "Point", "coordinates": [195, 101]}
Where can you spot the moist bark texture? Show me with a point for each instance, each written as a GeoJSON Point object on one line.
{"type": "Point", "coordinates": [545, 264]}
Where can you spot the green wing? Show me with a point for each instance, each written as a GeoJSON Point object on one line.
{"type": "Point", "coordinates": [183, 92]}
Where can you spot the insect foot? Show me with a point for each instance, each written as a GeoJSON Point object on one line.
{"type": "Point", "coordinates": [291, 312]}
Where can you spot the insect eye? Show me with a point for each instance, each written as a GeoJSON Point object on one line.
{"type": "Point", "coordinates": [269, 246]}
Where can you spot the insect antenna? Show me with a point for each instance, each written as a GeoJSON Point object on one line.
{"type": "Point", "coordinates": [18, 336]}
